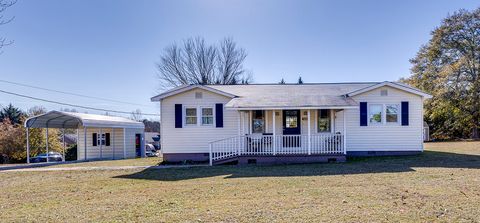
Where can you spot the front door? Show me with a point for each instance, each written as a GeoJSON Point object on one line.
{"type": "Point", "coordinates": [291, 126]}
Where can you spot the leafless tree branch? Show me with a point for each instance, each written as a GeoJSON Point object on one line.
{"type": "Point", "coordinates": [196, 62]}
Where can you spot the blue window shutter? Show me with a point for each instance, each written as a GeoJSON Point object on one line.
{"type": "Point", "coordinates": [107, 139]}
{"type": "Point", "coordinates": [219, 115]}
{"type": "Point", "coordinates": [363, 114]}
{"type": "Point", "coordinates": [94, 139]}
{"type": "Point", "coordinates": [178, 115]}
{"type": "Point", "coordinates": [405, 113]}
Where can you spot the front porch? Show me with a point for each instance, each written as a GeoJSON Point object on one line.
{"type": "Point", "coordinates": [293, 133]}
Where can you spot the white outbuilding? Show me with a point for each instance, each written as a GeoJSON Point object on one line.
{"type": "Point", "coordinates": [98, 136]}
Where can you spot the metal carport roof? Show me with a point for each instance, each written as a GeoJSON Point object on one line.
{"type": "Point", "coordinates": [58, 119]}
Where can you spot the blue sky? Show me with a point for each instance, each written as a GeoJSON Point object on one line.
{"type": "Point", "coordinates": [108, 48]}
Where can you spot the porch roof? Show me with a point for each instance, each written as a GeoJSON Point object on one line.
{"type": "Point", "coordinates": [293, 101]}
{"type": "Point", "coordinates": [275, 96]}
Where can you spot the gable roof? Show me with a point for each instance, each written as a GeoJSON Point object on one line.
{"type": "Point", "coordinates": [184, 88]}
{"type": "Point", "coordinates": [397, 85]}
{"type": "Point", "coordinates": [58, 119]}
{"type": "Point", "coordinates": [318, 95]}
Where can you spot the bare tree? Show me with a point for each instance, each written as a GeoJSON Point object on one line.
{"type": "Point", "coordinates": [4, 4]}
{"type": "Point", "coordinates": [136, 115]}
{"type": "Point", "coordinates": [196, 62]}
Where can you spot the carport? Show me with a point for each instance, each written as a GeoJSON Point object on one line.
{"type": "Point", "coordinates": [98, 136]}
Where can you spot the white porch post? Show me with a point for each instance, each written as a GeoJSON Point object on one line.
{"type": "Point", "coordinates": [28, 146]}
{"type": "Point", "coordinates": [274, 135]}
{"type": "Point", "coordinates": [239, 151]}
{"type": "Point", "coordinates": [63, 139]}
{"type": "Point", "coordinates": [344, 132]}
{"type": "Point", "coordinates": [46, 142]}
{"type": "Point", "coordinates": [309, 133]}
{"type": "Point", "coordinates": [85, 141]}
{"type": "Point", "coordinates": [250, 118]}
{"type": "Point", "coordinates": [124, 145]}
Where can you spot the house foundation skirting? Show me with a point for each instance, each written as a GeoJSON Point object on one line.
{"type": "Point", "coordinates": [287, 159]}
{"type": "Point", "coordinates": [180, 157]}
{"type": "Point", "coordinates": [382, 153]}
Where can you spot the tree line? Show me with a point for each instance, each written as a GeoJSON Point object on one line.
{"type": "Point", "coordinates": [13, 135]}
{"type": "Point", "coordinates": [448, 67]}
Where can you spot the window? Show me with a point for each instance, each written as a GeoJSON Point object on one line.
{"type": "Point", "coordinates": [191, 116]}
{"type": "Point", "coordinates": [207, 116]}
{"type": "Point", "coordinates": [291, 119]}
{"type": "Point", "coordinates": [258, 122]}
{"type": "Point", "coordinates": [323, 120]}
{"type": "Point", "coordinates": [375, 114]}
{"type": "Point", "coordinates": [391, 112]}
{"type": "Point", "coordinates": [101, 139]}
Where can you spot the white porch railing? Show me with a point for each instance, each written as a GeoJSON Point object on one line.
{"type": "Point", "coordinates": [268, 145]}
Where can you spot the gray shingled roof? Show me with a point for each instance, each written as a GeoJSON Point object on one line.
{"type": "Point", "coordinates": [291, 95]}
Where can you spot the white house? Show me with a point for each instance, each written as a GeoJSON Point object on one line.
{"type": "Point", "coordinates": [98, 136]}
{"type": "Point", "coordinates": [284, 123]}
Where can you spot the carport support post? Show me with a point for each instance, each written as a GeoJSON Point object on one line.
{"type": "Point", "coordinates": [28, 145]}
{"type": "Point", "coordinates": [63, 139]}
{"type": "Point", "coordinates": [85, 141]}
{"type": "Point", "coordinates": [46, 142]}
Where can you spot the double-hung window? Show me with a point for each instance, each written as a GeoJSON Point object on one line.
{"type": "Point", "coordinates": [207, 116]}
{"type": "Point", "coordinates": [383, 113]}
{"type": "Point", "coordinates": [323, 120]}
{"type": "Point", "coordinates": [391, 112]}
{"type": "Point", "coordinates": [191, 116]}
{"type": "Point", "coordinates": [375, 113]}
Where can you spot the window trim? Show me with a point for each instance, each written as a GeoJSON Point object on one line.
{"type": "Point", "coordinates": [332, 120]}
{"type": "Point", "coordinates": [99, 139]}
{"type": "Point", "coordinates": [201, 115]}
{"type": "Point", "coordinates": [198, 108]}
{"type": "Point", "coordinates": [185, 115]}
{"type": "Point", "coordinates": [382, 115]}
{"type": "Point", "coordinates": [399, 114]}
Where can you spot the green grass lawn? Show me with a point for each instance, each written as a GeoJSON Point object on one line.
{"type": "Point", "coordinates": [442, 184]}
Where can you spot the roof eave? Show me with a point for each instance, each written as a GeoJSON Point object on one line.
{"type": "Point", "coordinates": [187, 88]}
{"type": "Point", "coordinates": [390, 84]}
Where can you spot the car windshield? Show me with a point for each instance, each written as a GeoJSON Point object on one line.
{"type": "Point", "coordinates": [42, 154]}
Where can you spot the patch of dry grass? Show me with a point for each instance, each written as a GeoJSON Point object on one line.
{"type": "Point", "coordinates": [440, 185]}
{"type": "Point", "coordinates": [149, 161]}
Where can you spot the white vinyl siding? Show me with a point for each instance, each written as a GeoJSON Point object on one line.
{"type": "Point", "coordinates": [114, 151]}
{"type": "Point", "coordinates": [378, 137]}
{"type": "Point", "coordinates": [386, 137]}
{"type": "Point", "coordinates": [194, 139]}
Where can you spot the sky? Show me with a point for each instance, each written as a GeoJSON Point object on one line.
{"type": "Point", "coordinates": [108, 48]}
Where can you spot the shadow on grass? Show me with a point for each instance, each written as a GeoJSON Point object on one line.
{"type": "Point", "coordinates": [352, 166]}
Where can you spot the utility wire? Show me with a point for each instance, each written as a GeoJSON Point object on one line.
{"type": "Point", "coordinates": [69, 93]}
{"type": "Point", "coordinates": [73, 105]}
